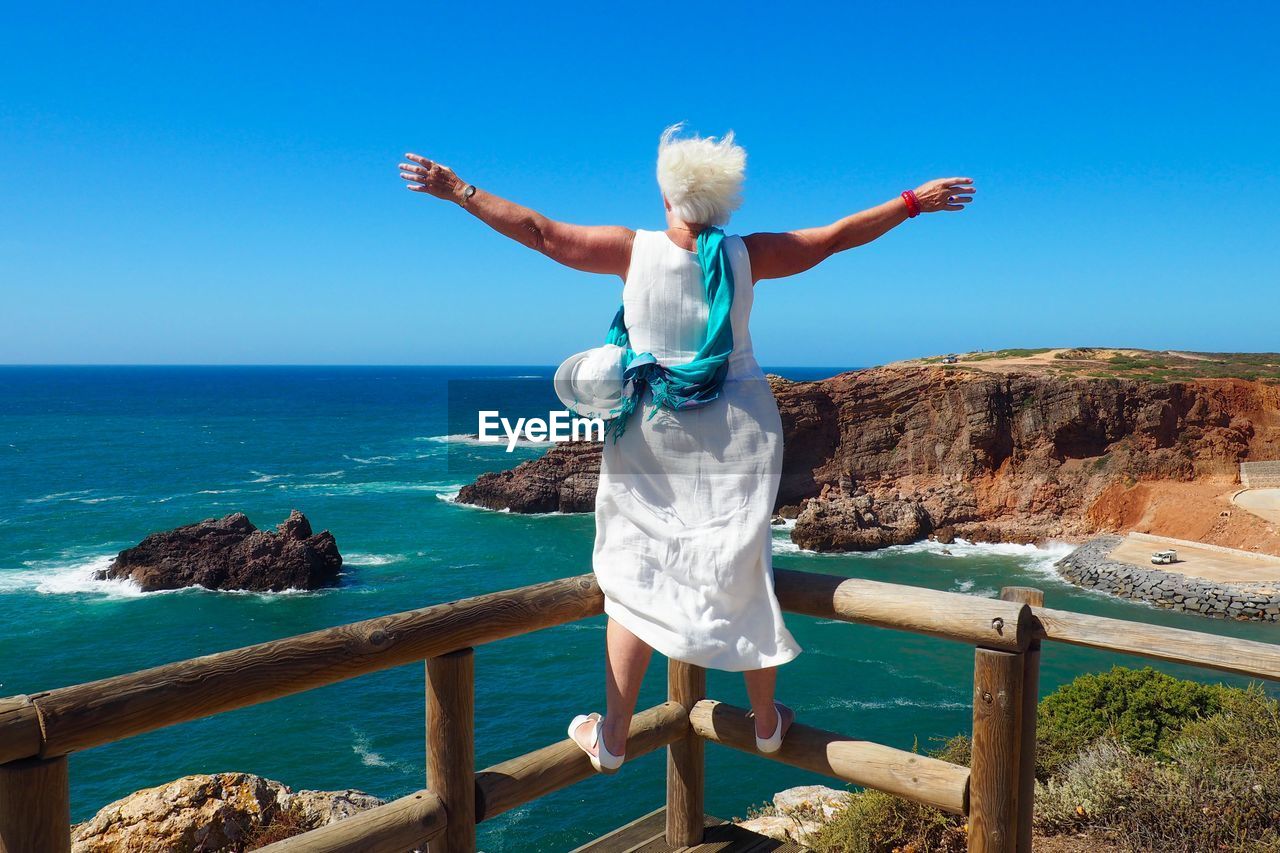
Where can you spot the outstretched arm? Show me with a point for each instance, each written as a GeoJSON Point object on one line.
{"type": "Point", "coordinates": [590, 248]}
{"type": "Point", "coordinates": [791, 252]}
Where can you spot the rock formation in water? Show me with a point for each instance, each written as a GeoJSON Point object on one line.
{"type": "Point", "coordinates": [230, 553]}
{"type": "Point", "coordinates": [895, 453]}
{"type": "Point", "coordinates": [219, 812]}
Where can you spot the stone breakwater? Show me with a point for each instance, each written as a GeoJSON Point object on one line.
{"type": "Point", "coordinates": [1089, 566]}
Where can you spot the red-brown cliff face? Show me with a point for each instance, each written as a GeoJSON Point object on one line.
{"type": "Point", "coordinates": [896, 453]}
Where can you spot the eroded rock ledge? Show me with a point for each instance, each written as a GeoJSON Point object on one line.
{"type": "Point", "coordinates": [219, 812]}
{"type": "Point", "coordinates": [890, 454]}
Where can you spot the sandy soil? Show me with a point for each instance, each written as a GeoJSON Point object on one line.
{"type": "Point", "coordinates": [1213, 564]}
{"type": "Point", "coordinates": [1201, 511]}
{"type": "Point", "coordinates": [1072, 844]}
{"type": "Point", "coordinates": [1264, 503]}
{"type": "Point", "coordinates": [1039, 362]}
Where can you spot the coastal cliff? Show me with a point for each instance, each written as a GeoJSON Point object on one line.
{"type": "Point", "coordinates": [991, 449]}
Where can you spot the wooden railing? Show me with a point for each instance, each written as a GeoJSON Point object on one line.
{"type": "Point", "coordinates": [995, 792]}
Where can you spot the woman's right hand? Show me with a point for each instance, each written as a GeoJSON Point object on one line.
{"type": "Point", "coordinates": [945, 194]}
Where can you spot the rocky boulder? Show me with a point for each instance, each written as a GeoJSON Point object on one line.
{"type": "Point", "coordinates": [563, 479]}
{"type": "Point", "coordinates": [228, 812]}
{"type": "Point", "coordinates": [230, 553]}
{"type": "Point", "coordinates": [860, 523]}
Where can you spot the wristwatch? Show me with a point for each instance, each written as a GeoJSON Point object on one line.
{"type": "Point", "coordinates": [468, 192]}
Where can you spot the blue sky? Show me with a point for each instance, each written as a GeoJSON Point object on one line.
{"type": "Point", "coordinates": [216, 183]}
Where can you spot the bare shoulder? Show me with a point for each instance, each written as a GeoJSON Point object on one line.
{"type": "Point", "coordinates": [778, 254]}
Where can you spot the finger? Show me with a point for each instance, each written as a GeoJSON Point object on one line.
{"type": "Point", "coordinates": [409, 176]}
{"type": "Point", "coordinates": [418, 158]}
{"type": "Point", "coordinates": [409, 167]}
{"type": "Point", "coordinates": [960, 186]}
{"type": "Point", "coordinates": [953, 207]}
{"type": "Point", "coordinates": [960, 199]}
{"type": "Point", "coordinates": [417, 188]}
{"type": "Point", "coordinates": [957, 180]}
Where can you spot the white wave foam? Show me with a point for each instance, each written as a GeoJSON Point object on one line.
{"type": "Point", "coordinates": [359, 559]}
{"type": "Point", "coordinates": [475, 440]}
{"type": "Point", "coordinates": [50, 577]}
{"type": "Point", "coordinates": [57, 496]}
{"type": "Point", "coordinates": [895, 702]}
{"type": "Point", "coordinates": [107, 499]}
{"type": "Point", "coordinates": [376, 487]}
{"type": "Point", "coordinates": [215, 492]}
{"type": "Point", "coordinates": [268, 478]}
{"type": "Point", "coordinates": [372, 460]}
{"type": "Point", "coordinates": [362, 746]}
{"type": "Point", "coordinates": [79, 577]}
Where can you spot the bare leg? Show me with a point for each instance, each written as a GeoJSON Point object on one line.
{"type": "Point", "coordinates": [626, 660]}
{"type": "Point", "coordinates": [760, 690]}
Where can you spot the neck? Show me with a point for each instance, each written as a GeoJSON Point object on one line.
{"type": "Point", "coordinates": [676, 224]}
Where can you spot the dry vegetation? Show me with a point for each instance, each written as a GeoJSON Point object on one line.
{"type": "Point", "coordinates": [1131, 760]}
{"type": "Point", "coordinates": [1119, 363]}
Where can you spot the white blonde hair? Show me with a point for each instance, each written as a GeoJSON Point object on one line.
{"type": "Point", "coordinates": [701, 177]}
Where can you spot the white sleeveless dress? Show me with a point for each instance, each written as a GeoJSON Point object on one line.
{"type": "Point", "coordinates": [683, 549]}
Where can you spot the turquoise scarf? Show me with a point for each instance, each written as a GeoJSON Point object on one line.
{"type": "Point", "coordinates": [682, 386]}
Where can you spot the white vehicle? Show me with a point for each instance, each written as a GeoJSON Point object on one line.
{"type": "Point", "coordinates": [1164, 558]}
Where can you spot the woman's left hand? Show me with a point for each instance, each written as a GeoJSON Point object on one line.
{"type": "Point", "coordinates": [945, 194]}
{"type": "Point", "coordinates": [425, 176]}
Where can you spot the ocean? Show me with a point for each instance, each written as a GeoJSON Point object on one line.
{"type": "Point", "coordinates": [92, 459]}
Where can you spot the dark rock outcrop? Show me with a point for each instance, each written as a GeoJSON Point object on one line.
{"type": "Point", "coordinates": [230, 553]}
{"type": "Point", "coordinates": [1014, 456]}
{"type": "Point", "coordinates": [562, 480]}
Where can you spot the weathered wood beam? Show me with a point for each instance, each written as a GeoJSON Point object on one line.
{"type": "Point", "coordinates": [686, 769]}
{"type": "Point", "coordinates": [87, 715]}
{"type": "Point", "coordinates": [1030, 702]}
{"type": "Point", "coordinates": [451, 748]}
{"type": "Point", "coordinates": [35, 806]}
{"type": "Point", "coordinates": [514, 782]}
{"type": "Point", "coordinates": [19, 729]}
{"type": "Point", "coordinates": [997, 744]}
{"type": "Point", "coordinates": [1175, 645]}
{"type": "Point", "coordinates": [871, 765]}
{"type": "Point", "coordinates": [950, 615]}
{"type": "Point", "coordinates": [404, 824]}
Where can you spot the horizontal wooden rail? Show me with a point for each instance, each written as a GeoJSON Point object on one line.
{"type": "Point", "coordinates": [872, 765]}
{"type": "Point", "coordinates": [514, 782]}
{"type": "Point", "coordinates": [98, 712]}
{"type": "Point", "coordinates": [403, 824]}
{"type": "Point", "coordinates": [1005, 625]}
{"type": "Point", "coordinates": [407, 822]}
{"type": "Point", "coordinates": [19, 729]}
{"type": "Point", "coordinates": [1175, 645]}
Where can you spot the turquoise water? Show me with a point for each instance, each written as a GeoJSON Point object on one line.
{"type": "Point", "coordinates": [93, 459]}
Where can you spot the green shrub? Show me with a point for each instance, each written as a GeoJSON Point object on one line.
{"type": "Point", "coordinates": [1143, 709]}
{"type": "Point", "coordinates": [1219, 788]}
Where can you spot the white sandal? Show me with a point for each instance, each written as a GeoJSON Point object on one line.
{"type": "Point", "coordinates": [773, 743]}
{"type": "Point", "coordinates": [606, 761]}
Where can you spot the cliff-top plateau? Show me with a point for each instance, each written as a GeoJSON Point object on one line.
{"type": "Point", "coordinates": [1019, 445]}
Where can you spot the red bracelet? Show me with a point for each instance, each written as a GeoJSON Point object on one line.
{"type": "Point", "coordinates": [913, 203]}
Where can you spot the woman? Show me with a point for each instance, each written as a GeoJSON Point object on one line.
{"type": "Point", "coordinates": [683, 545]}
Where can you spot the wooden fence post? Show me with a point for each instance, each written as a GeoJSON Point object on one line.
{"type": "Point", "coordinates": [35, 806]}
{"type": "Point", "coordinates": [451, 752]}
{"type": "Point", "coordinates": [686, 684]}
{"type": "Point", "coordinates": [997, 740]}
{"type": "Point", "coordinates": [1030, 703]}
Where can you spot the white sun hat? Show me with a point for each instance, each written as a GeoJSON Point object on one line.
{"type": "Point", "coordinates": [590, 383]}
